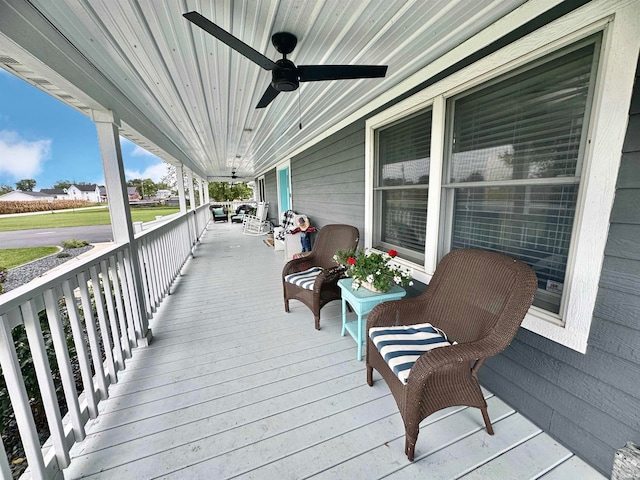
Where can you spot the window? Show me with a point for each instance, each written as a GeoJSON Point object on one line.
{"type": "Point", "coordinates": [401, 186]}
{"type": "Point", "coordinates": [525, 149]}
{"type": "Point", "coordinates": [513, 166]}
{"type": "Point", "coordinates": [261, 189]}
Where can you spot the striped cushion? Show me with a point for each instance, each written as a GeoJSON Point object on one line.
{"type": "Point", "coordinates": [304, 279]}
{"type": "Point", "coordinates": [401, 346]}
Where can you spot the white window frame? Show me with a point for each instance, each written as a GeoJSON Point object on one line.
{"type": "Point", "coordinates": [260, 185]}
{"type": "Point", "coordinates": [619, 24]}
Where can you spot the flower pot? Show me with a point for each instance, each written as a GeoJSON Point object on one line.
{"type": "Point", "coordinates": [369, 286]}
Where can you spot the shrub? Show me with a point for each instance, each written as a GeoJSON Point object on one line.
{"type": "Point", "coordinates": [63, 255]}
{"type": "Point", "coordinates": [73, 243]}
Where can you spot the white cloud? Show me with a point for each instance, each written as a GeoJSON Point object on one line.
{"type": "Point", "coordinates": [155, 172]}
{"type": "Point", "coordinates": [20, 158]}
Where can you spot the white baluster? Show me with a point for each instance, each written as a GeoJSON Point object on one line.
{"type": "Point", "coordinates": [20, 400]}
{"type": "Point", "coordinates": [45, 383]}
{"type": "Point", "coordinates": [58, 337]}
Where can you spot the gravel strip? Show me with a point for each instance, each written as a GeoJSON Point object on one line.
{"type": "Point", "coordinates": [25, 273]}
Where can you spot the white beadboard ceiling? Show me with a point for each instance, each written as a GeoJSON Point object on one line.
{"type": "Point", "coordinates": [200, 95]}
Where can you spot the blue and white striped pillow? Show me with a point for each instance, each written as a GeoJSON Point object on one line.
{"type": "Point", "coordinates": [401, 346]}
{"type": "Point", "coordinates": [304, 279]}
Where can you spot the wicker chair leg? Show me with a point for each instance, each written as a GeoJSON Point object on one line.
{"type": "Point", "coordinates": [410, 438]}
{"type": "Point", "coordinates": [487, 421]}
{"type": "Point", "coordinates": [286, 305]}
{"type": "Point", "coordinates": [410, 446]}
{"type": "Point", "coordinates": [369, 376]}
{"type": "Point", "coordinates": [317, 322]}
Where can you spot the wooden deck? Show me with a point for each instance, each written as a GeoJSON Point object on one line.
{"type": "Point", "coordinates": [232, 386]}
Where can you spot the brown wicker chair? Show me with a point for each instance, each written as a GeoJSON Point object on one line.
{"type": "Point", "coordinates": [325, 287]}
{"type": "Point", "coordinates": [479, 300]}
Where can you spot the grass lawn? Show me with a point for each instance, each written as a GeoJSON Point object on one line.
{"type": "Point", "coordinates": [12, 257]}
{"type": "Point", "coordinates": [79, 218]}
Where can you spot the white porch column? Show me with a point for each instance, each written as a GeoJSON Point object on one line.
{"type": "Point", "coordinates": [201, 191]}
{"type": "Point", "coordinates": [183, 203]}
{"type": "Point", "coordinates": [207, 199]}
{"type": "Point", "coordinates": [193, 219]}
{"type": "Point", "coordinates": [180, 184]}
{"type": "Point", "coordinates": [118, 199]}
{"type": "Point", "coordinates": [192, 205]}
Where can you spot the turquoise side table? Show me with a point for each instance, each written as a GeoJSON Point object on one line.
{"type": "Point", "coordinates": [362, 301]}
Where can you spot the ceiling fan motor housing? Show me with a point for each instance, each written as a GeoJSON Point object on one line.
{"type": "Point", "coordinates": [285, 78]}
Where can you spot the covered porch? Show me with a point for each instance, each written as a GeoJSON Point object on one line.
{"type": "Point", "coordinates": [190, 367]}
{"type": "Point", "coordinates": [232, 386]}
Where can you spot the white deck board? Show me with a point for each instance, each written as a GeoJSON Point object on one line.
{"type": "Point", "coordinates": [573, 468]}
{"type": "Point", "coordinates": [234, 387]}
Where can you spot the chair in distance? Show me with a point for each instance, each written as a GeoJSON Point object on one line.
{"type": "Point", "coordinates": [219, 213]}
{"type": "Point", "coordinates": [476, 301]}
{"type": "Point", "coordinates": [238, 216]}
{"type": "Point", "coordinates": [313, 279]}
{"type": "Point", "coordinates": [257, 224]}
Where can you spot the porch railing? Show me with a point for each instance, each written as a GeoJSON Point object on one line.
{"type": "Point", "coordinates": [93, 302]}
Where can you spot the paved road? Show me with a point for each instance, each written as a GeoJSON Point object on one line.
{"type": "Point", "coordinates": [55, 236]}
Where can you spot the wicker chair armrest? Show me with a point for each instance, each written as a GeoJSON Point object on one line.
{"type": "Point", "coordinates": [455, 356]}
{"type": "Point", "coordinates": [298, 265]}
{"type": "Point", "coordinates": [334, 273]}
{"type": "Point", "coordinates": [397, 312]}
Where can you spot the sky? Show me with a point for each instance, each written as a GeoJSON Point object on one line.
{"type": "Point", "coordinates": [44, 139]}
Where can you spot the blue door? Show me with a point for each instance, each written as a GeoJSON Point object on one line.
{"type": "Point", "coordinates": [284, 191]}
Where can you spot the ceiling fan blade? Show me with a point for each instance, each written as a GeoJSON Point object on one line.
{"type": "Point", "coordinates": [314, 73]}
{"type": "Point", "coordinates": [267, 97]}
{"type": "Point", "coordinates": [234, 42]}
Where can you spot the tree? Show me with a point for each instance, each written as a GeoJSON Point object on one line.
{"type": "Point", "coordinates": [241, 191]}
{"type": "Point", "coordinates": [170, 178]}
{"type": "Point", "coordinates": [5, 189]}
{"type": "Point", "coordinates": [146, 187]}
{"type": "Point", "coordinates": [224, 192]}
{"type": "Point", "coordinates": [26, 185]}
{"type": "Point", "coordinates": [62, 184]}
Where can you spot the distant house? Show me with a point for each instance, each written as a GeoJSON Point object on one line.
{"type": "Point", "coordinates": [90, 193]}
{"type": "Point", "coordinates": [133, 193]}
{"type": "Point", "coordinates": [163, 194]}
{"type": "Point", "coordinates": [56, 193]}
{"type": "Point", "coordinates": [19, 196]}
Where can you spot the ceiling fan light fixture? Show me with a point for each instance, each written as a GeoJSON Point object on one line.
{"type": "Point", "coordinates": [285, 78]}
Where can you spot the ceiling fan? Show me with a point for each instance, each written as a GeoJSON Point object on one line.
{"type": "Point", "coordinates": [233, 175]}
{"type": "Point", "coordinates": [285, 76]}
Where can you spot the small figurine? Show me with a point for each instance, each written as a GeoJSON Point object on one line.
{"type": "Point", "coordinates": [305, 229]}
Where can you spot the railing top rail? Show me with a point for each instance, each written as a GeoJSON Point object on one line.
{"type": "Point", "coordinates": [15, 298]}
{"type": "Point", "coordinates": [158, 226]}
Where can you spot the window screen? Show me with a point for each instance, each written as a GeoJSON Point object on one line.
{"type": "Point", "coordinates": [514, 166]}
{"type": "Point", "coordinates": [401, 185]}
